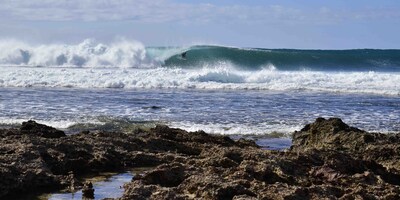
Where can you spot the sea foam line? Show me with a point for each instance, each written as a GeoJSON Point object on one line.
{"type": "Point", "coordinates": [221, 77]}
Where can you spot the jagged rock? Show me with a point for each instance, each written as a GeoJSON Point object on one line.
{"type": "Point", "coordinates": [333, 134]}
{"type": "Point", "coordinates": [37, 164]}
{"type": "Point", "coordinates": [328, 160]}
{"type": "Point", "coordinates": [31, 127]}
{"type": "Point", "coordinates": [88, 191]}
{"type": "Point", "coordinates": [168, 175]}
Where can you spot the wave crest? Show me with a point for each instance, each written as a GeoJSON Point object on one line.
{"type": "Point", "coordinates": [132, 54]}
{"type": "Point", "coordinates": [121, 53]}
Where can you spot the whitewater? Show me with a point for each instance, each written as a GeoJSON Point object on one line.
{"type": "Point", "coordinates": [219, 89]}
{"type": "Point", "coordinates": [126, 64]}
{"type": "Point", "coordinates": [221, 77]}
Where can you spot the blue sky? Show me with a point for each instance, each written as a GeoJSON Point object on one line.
{"type": "Point", "coordinates": [300, 24]}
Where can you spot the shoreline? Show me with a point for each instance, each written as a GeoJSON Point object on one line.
{"type": "Point", "coordinates": [327, 159]}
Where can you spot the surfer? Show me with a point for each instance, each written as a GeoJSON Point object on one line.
{"type": "Point", "coordinates": [183, 55]}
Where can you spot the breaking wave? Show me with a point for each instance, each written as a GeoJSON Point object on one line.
{"type": "Point", "coordinates": [129, 64]}
{"type": "Point", "coordinates": [121, 54]}
{"type": "Point", "coordinates": [132, 54]}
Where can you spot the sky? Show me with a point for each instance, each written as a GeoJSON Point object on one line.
{"type": "Point", "coordinates": [300, 24]}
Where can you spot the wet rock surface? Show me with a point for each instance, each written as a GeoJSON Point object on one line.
{"type": "Point", "coordinates": [334, 134]}
{"type": "Point", "coordinates": [31, 127]}
{"type": "Point", "coordinates": [328, 160]}
{"type": "Point", "coordinates": [88, 191]}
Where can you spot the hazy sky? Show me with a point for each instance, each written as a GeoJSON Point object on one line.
{"type": "Point", "coordinates": [336, 24]}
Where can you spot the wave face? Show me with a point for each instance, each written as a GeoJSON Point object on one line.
{"type": "Point", "coordinates": [129, 64]}
{"type": "Point", "coordinates": [132, 54]}
{"type": "Point", "coordinates": [290, 59]}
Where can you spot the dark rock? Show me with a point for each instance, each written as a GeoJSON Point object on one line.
{"type": "Point", "coordinates": [31, 127]}
{"type": "Point", "coordinates": [333, 134]}
{"type": "Point", "coordinates": [168, 175]}
{"type": "Point", "coordinates": [85, 132]}
{"type": "Point", "coordinates": [328, 160]}
{"type": "Point", "coordinates": [325, 134]}
{"type": "Point", "coordinates": [88, 191]}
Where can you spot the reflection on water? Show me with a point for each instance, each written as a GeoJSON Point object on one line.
{"type": "Point", "coordinates": [107, 188]}
{"type": "Point", "coordinates": [274, 143]}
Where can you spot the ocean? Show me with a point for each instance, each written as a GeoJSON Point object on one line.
{"type": "Point", "coordinates": [221, 90]}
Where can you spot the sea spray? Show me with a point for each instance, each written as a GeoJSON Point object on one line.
{"type": "Point", "coordinates": [121, 54]}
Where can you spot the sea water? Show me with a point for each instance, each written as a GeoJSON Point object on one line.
{"type": "Point", "coordinates": [221, 90]}
{"type": "Point", "coordinates": [214, 111]}
{"type": "Point", "coordinates": [109, 187]}
{"type": "Point", "coordinates": [264, 94]}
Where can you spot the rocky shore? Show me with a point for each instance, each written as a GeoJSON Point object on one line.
{"type": "Point", "coordinates": [328, 160]}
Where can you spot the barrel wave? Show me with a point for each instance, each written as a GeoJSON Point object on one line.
{"type": "Point", "coordinates": [290, 59]}
{"type": "Point", "coordinates": [133, 54]}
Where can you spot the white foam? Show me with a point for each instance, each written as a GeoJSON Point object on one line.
{"type": "Point", "coordinates": [60, 124]}
{"type": "Point", "coordinates": [237, 129]}
{"type": "Point", "coordinates": [206, 78]}
{"type": "Point", "coordinates": [120, 53]}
